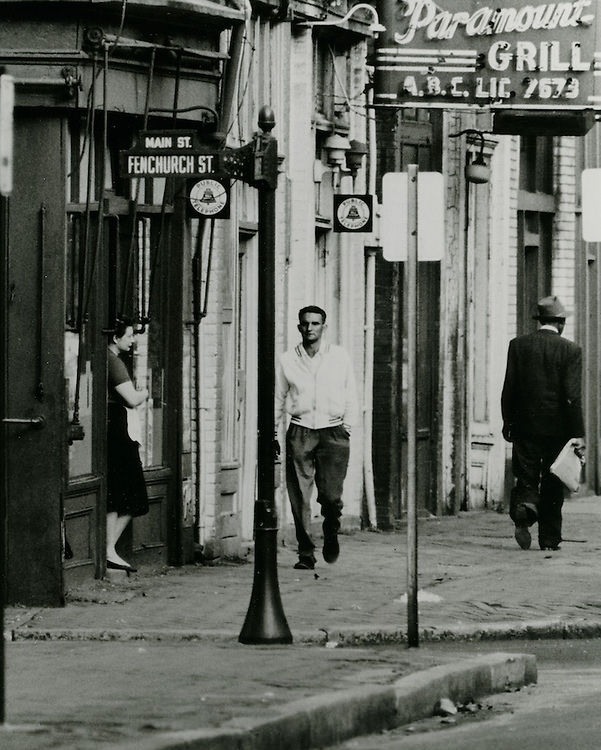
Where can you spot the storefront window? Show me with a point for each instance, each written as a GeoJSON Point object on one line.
{"type": "Point", "coordinates": [148, 368]}
{"type": "Point", "coordinates": [80, 451]}
{"type": "Point", "coordinates": [77, 349]}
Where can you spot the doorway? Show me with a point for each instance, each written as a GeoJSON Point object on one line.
{"type": "Point", "coordinates": [536, 209]}
{"type": "Point", "coordinates": [408, 137]}
{"type": "Point", "coordinates": [118, 263]}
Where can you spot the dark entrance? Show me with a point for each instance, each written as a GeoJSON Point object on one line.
{"type": "Point", "coordinates": [33, 364]}
{"type": "Point", "coordinates": [410, 137]}
{"type": "Point", "coordinates": [129, 276]}
{"type": "Point", "coordinates": [536, 208]}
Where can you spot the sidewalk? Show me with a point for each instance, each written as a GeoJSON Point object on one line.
{"type": "Point", "coordinates": [473, 581]}
{"type": "Point", "coordinates": [177, 676]}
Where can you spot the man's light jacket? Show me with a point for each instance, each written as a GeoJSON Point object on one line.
{"type": "Point", "coordinates": [319, 393]}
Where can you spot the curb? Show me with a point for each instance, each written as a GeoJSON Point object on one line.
{"type": "Point", "coordinates": [331, 718]}
{"type": "Point", "coordinates": [335, 637]}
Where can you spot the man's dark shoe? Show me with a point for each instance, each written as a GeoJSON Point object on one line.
{"type": "Point", "coordinates": [552, 547]}
{"type": "Point", "coordinates": [331, 548]}
{"type": "Point", "coordinates": [305, 563]}
{"type": "Point", "coordinates": [522, 535]}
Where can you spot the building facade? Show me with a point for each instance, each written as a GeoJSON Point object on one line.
{"type": "Point", "coordinates": [509, 242]}
{"type": "Point", "coordinates": [83, 245]}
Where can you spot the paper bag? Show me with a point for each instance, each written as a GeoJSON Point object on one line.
{"type": "Point", "coordinates": [568, 466]}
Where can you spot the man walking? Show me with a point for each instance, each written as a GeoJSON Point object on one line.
{"type": "Point", "coordinates": [315, 384]}
{"type": "Point", "coordinates": [541, 407]}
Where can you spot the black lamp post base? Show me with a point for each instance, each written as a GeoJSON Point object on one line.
{"type": "Point", "coordinates": [265, 621]}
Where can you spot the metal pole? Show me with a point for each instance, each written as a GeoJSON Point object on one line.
{"type": "Point", "coordinates": [265, 620]}
{"type": "Point", "coordinates": [7, 99]}
{"type": "Point", "coordinates": [412, 290]}
{"type": "Point", "coordinates": [3, 439]}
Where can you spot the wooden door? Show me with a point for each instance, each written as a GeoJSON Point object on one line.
{"type": "Point", "coordinates": [536, 208]}
{"type": "Point", "coordinates": [427, 385]}
{"type": "Point", "coordinates": [32, 300]}
{"type": "Point", "coordinates": [414, 139]}
{"type": "Point", "coordinates": [534, 265]}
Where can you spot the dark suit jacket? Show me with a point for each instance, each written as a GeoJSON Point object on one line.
{"type": "Point", "coordinates": [542, 389]}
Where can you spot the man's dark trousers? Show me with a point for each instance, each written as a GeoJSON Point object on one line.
{"type": "Point", "coordinates": [536, 488]}
{"type": "Point", "coordinates": [315, 458]}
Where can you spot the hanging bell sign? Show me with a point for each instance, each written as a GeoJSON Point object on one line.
{"type": "Point", "coordinates": [353, 213]}
{"type": "Point", "coordinates": [209, 197]}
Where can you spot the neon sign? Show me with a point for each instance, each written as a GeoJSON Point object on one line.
{"type": "Point", "coordinates": [537, 56]}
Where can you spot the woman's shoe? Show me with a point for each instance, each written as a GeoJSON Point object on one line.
{"type": "Point", "coordinates": [117, 566]}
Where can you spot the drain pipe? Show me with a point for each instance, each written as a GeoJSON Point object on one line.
{"type": "Point", "coordinates": [232, 70]}
{"type": "Point", "coordinates": [370, 304]}
{"type": "Point", "coordinates": [229, 88]}
{"type": "Point", "coordinates": [198, 384]}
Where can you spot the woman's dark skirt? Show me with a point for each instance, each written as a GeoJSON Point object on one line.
{"type": "Point", "coordinates": [126, 490]}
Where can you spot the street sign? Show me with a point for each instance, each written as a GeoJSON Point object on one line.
{"type": "Point", "coordinates": [168, 153]}
{"type": "Point", "coordinates": [591, 205]}
{"type": "Point", "coordinates": [353, 213]}
{"type": "Point", "coordinates": [430, 216]}
{"type": "Point", "coordinates": [458, 53]}
{"type": "Point", "coordinates": [7, 101]}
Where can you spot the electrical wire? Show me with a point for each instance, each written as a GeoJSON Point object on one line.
{"type": "Point", "coordinates": [134, 210]}
{"type": "Point", "coordinates": [115, 43]}
{"type": "Point", "coordinates": [167, 196]}
{"type": "Point", "coordinates": [89, 139]}
{"type": "Point", "coordinates": [103, 161]}
{"type": "Point", "coordinates": [113, 46]}
{"type": "Point", "coordinates": [89, 110]}
{"type": "Point", "coordinates": [83, 266]}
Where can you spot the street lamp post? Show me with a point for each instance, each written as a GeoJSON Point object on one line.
{"type": "Point", "coordinates": [265, 620]}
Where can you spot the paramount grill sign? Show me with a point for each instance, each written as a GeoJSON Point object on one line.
{"type": "Point", "coordinates": [458, 53]}
{"type": "Point", "coordinates": [168, 153]}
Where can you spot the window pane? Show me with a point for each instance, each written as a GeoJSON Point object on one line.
{"type": "Point", "coordinates": [80, 452]}
{"type": "Point", "coordinates": [148, 358]}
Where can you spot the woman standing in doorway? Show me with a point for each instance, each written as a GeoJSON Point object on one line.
{"type": "Point", "coordinates": [126, 490]}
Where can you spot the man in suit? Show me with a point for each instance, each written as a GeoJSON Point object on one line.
{"type": "Point", "coordinates": [541, 407]}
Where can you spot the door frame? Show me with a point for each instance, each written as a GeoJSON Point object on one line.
{"type": "Point", "coordinates": [169, 476]}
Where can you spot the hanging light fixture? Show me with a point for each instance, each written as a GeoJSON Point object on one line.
{"type": "Point", "coordinates": [355, 156]}
{"type": "Point", "coordinates": [478, 170]}
{"type": "Point", "coordinates": [336, 146]}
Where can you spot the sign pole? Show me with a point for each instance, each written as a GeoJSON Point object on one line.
{"type": "Point", "coordinates": [4, 203]}
{"type": "Point", "coordinates": [412, 323]}
{"type": "Point", "coordinates": [7, 96]}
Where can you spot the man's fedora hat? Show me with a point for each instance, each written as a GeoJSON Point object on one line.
{"type": "Point", "coordinates": [550, 307]}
